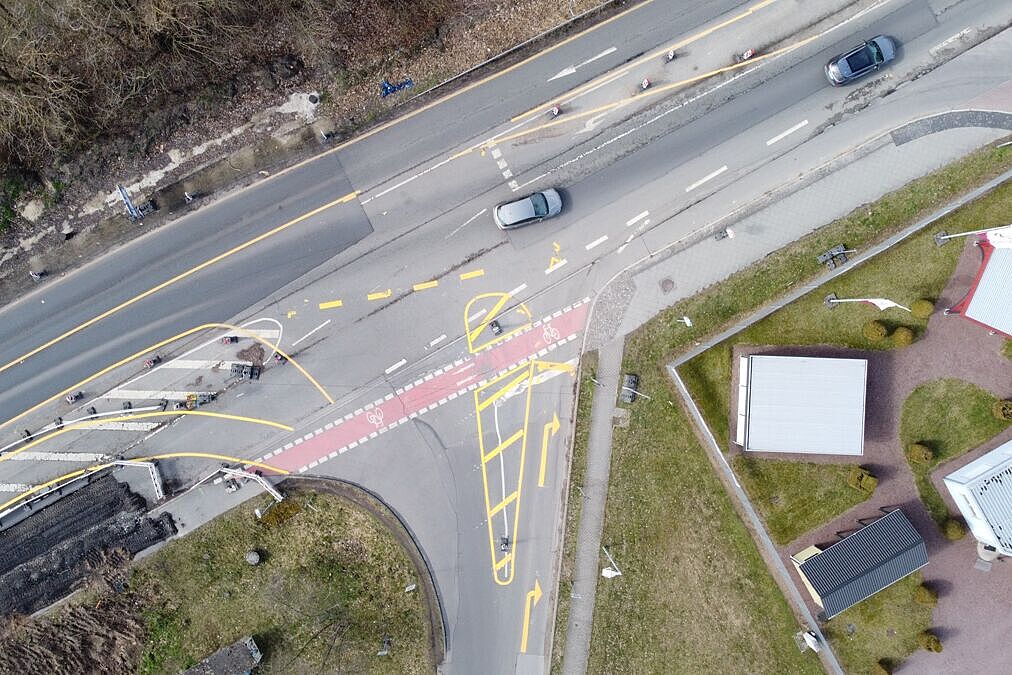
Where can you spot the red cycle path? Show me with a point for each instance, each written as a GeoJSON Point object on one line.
{"type": "Point", "coordinates": [427, 393]}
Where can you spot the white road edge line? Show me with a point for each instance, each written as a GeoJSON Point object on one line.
{"type": "Point", "coordinates": [311, 332]}
{"type": "Point", "coordinates": [707, 177]}
{"type": "Point", "coordinates": [781, 136]}
{"type": "Point", "coordinates": [395, 366]}
{"type": "Point", "coordinates": [597, 242]}
{"type": "Point", "coordinates": [466, 223]}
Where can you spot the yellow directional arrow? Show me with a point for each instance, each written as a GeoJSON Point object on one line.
{"type": "Point", "coordinates": [532, 599]}
{"type": "Point", "coordinates": [551, 429]}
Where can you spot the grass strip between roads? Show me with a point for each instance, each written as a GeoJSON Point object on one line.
{"type": "Point", "coordinates": [695, 594]}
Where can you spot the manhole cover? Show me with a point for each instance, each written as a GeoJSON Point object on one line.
{"type": "Point", "coordinates": [667, 285]}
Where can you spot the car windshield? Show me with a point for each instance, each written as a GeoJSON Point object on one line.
{"type": "Point", "coordinates": [540, 204]}
{"type": "Point", "coordinates": [876, 52]}
{"type": "Point", "coordinates": [860, 60]}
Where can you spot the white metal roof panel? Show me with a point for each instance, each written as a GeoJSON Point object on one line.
{"type": "Point", "coordinates": [989, 479]}
{"type": "Point", "coordinates": [991, 303]}
{"type": "Point", "coordinates": [806, 405]}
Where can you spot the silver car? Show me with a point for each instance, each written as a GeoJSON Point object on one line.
{"type": "Point", "coordinates": [861, 60]}
{"type": "Point", "coordinates": [526, 210]}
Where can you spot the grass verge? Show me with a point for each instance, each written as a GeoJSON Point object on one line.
{"type": "Point", "coordinates": [695, 595]}
{"type": "Point", "coordinates": [578, 464]}
{"type": "Point", "coordinates": [330, 587]}
{"type": "Point", "coordinates": [951, 417]}
{"type": "Point", "coordinates": [882, 628]}
{"type": "Point", "coordinates": [795, 497]}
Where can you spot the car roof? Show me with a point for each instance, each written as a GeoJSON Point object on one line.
{"type": "Point", "coordinates": [514, 212]}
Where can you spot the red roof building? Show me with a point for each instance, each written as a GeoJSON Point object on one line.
{"type": "Point", "coordinates": [989, 301]}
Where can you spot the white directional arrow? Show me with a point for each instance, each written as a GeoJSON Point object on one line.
{"type": "Point", "coordinates": [572, 69]}
{"type": "Point", "coordinates": [591, 124]}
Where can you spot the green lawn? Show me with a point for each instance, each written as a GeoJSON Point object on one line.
{"type": "Point", "coordinates": [795, 497]}
{"type": "Point", "coordinates": [578, 466]}
{"type": "Point", "coordinates": [695, 596]}
{"type": "Point", "coordinates": [1007, 349]}
{"type": "Point", "coordinates": [330, 587]}
{"type": "Point", "coordinates": [951, 417]}
{"type": "Point", "coordinates": [882, 628]}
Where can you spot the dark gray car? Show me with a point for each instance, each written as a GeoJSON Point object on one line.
{"type": "Point", "coordinates": [861, 60]}
{"type": "Point", "coordinates": [527, 210]}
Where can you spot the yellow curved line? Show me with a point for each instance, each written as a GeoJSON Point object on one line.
{"type": "Point", "coordinates": [98, 467]}
{"type": "Point", "coordinates": [653, 91]}
{"type": "Point", "coordinates": [179, 277]}
{"type": "Point", "coordinates": [209, 455]}
{"type": "Point", "coordinates": [652, 55]}
{"type": "Point", "coordinates": [85, 424]}
{"type": "Point", "coordinates": [158, 345]}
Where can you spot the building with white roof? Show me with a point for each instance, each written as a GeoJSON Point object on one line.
{"type": "Point", "coordinates": [982, 491]}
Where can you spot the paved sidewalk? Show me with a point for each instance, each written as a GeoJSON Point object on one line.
{"type": "Point", "coordinates": [594, 495]}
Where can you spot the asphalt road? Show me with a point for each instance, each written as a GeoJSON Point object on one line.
{"type": "Point", "coordinates": [422, 217]}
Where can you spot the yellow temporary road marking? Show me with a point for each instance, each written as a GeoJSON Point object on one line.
{"type": "Point", "coordinates": [502, 446]}
{"type": "Point", "coordinates": [473, 332]}
{"type": "Point", "coordinates": [653, 91]}
{"type": "Point", "coordinates": [505, 389]}
{"type": "Point", "coordinates": [425, 285]}
{"type": "Point", "coordinates": [498, 561]}
{"type": "Point", "coordinates": [98, 467]}
{"type": "Point", "coordinates": [533, 596]}
{"type": "Point", "coordinates": [332, 304]}
{"type": "Point", "coordinates": [504, 503]}
{"type": "Point", "coordinates": [379, 295]}
{"type": "Point", "coordinates": [164, 342]}
{"type": "Point", "coordinates": [472, 274]}
{"type": "Point", "coordinates": [179, 277]}
{"type": "Point", "coordinates": [647, 57]}
{"type": "Point", "coordinates": [551, 429]}
{"type": "Point", "coordinates": [88, 424]}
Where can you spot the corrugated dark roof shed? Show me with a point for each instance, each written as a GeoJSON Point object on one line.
{"type": "Point", "coordinates": [865, 562]}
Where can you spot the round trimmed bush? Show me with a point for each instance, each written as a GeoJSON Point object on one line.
{"type": "Point", "coordinates": [929, 641]}
{"type": "Point", "coordinates": [954, 529]}
{"type": "Point", "coordinates": [880, 668]}
{"type": "Point", "coordinates": [1003, 410]}
{"type": "Point", "coordinates": [925, 595]}
{"type": "Point", "coordinates": [902, 336]}
{"type": "Point", "coordinates": [875, 330]}
{"type": "Point", "coordinates": [920, 453]}
{"type": "Point", "coordinates": [922, 308]}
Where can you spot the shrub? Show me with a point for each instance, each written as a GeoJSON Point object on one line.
{"type": "Point", "coordinates": [875, 330]}
{"type": "Point", "coordinates": [902, 336]}
{"type": "Point", "coordinates": [954, 529]}
{"type": "Point", "coordinates": [929, 641]}
{"type": "Point", "coordinates": [920, 453]}
{"type": "Point", "coordinates": [922, 308]}
{"type": "Point", "coordinates": [925, 595]}
{"type": "Point", "coordinates": [279, 512]}
{"type": "Point", "coordinates": [881, 668]}
{"type": "Point", "coordinates": [861, 479]}
{"type": "Point", "coordinates": [1003, 410]}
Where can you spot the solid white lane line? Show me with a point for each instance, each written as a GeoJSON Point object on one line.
{"type": "Point", "coordinates": [949, 40]}
{"type": "Point", "coordinates": [197, 364]}
{"type": "Point", "coordinates": [149, 394]}
{"type": "Point", "coordinates": [14, 487]}
{"type": "Point", "coordinates": [467, 223]}
{"type": "Point", "coordinates": [395, 366]}
{"type": "Point", "coordinates": [311, 332]}
{"type": "Point", "coordinates": [519, 289]}
{"type": "Point", "coordinates": [709, 176]}
{"type": "Point", "coordinates": [632, 221]}
{"type": "Point", "coordinates": [59, 457]}
{"type": "Point", "coordinates": [433, 343]}
{"type": "Point", "coordinates": [600, 240]}
{"type": "Point", "coordinates": [406, 181]}
{"type": "Point", "coordinates": [779, 137]}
